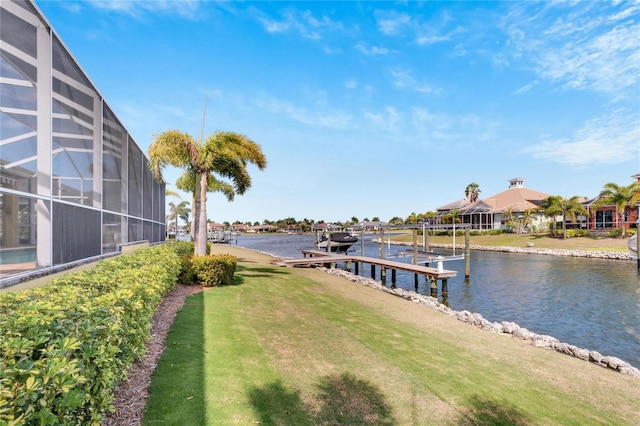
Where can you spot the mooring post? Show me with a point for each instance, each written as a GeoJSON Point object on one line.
{"type": "Point", "coordinates": [315, 241]}
{"type": "Point", "coordinates": [373, 271]}
{"type": "Point", "coordinates": [434, 287]}
{"type": "Point", "coordinates": [381, 243]}
{"type": "Point", "coordinates": [415, 281]}
{"type": "Point", "coordinates": [415, 246]}
{"type": "Point", "coordinates": [383, 275]}
{"type": "Point", "coordinates": [393, 278]}
{"type": "Point", "coordinates": [357, 263]}
{"type": "Point", "coordinates": [425, 238]}
{"type": "Point", "coordinates": [361, 242]}
{"type": "Point", "coordinates": [467, 253]}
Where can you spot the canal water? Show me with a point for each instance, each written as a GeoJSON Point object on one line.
{"type": "Point", "coordinates": [590, 303]}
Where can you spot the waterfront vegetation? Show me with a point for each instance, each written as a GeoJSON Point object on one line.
{"type": "Point", "coordinates": [298, 346]}
{"type": "Point", "coordinates": [545, 241]}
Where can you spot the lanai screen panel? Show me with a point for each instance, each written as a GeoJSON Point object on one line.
{"type": "Point", "coordinates": [147, 200]}
{"type": "Point", "coordinates": [135, 230]}
{"type": "Point", "coordinates": [18, 98]}
{"type": "Point", "coordinates": [114, 142]}
{"type": "Point", "coordinates": [135, 181]}
{"type": "Point", "coordinates": [73, 102]}
{"type": "Point", "coordinates": [112, 226]}
{"type": "Point", "coordinates": [76, 233]}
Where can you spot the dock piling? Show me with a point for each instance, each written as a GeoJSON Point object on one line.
{"type": "Point", "coordinates": [467, 253]}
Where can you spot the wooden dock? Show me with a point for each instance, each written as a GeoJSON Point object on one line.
{"type": "Point", "coordinates": [317, 257]}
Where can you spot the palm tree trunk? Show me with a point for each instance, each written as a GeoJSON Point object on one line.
{"type": "Point", "coordinates": [200, 234]}
{"type": "Point", "coordinates": [192, 228]}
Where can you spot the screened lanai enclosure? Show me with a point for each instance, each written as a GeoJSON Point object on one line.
{"type": "Point", "coordinates": [74, 185]}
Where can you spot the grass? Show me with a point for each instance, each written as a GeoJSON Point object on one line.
{"type": "Point", "coordinates": [300, 347]}
{"type": "Point", "coordinates": [538, 241]}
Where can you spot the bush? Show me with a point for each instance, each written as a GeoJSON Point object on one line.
{"type": "Point", "coordinates": [615, 232]}
{"type": "Point", "coordinates": [214, 271]}
{"type": "Point", "coordinates": [64, 347]}
{"type": "Point", "coordinates": [572, 233]}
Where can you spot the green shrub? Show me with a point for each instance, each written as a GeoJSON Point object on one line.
{"type": "Point", "coordinates": [64, 347]}
{"type": "Point", "coordinates": [186, 250]}
{"type": "Point", "coordinates": [572, 233]}
{"type": "Point", "coordinates": [617, 232]}
{"type": "Point", "coordinates": [214, 271]}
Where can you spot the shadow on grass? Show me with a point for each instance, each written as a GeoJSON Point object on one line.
{"type": "Point", "coordinates": [341, 400]}
{"type": "Point", "coordinates": [485, 412]}
{"type": "Point", "coordinates": [260, 271]}
{"type": "Point", "coordinates": [177, 392]}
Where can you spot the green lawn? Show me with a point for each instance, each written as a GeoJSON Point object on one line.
{"type": "Point", "coordinates": [300, 347]}
{"type": "Point", "coordinates": [521, 240]}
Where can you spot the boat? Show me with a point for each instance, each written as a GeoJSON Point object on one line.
{"type": "Point", "coordinates": [337, 242]}
{"type": "Point", "coordinates": [218, 237]}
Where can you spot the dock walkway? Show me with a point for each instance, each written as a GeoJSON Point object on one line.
{"type": "Point", "coordinates": [317, 257]}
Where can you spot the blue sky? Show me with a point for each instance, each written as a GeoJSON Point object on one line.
{"type": "Point", "coordinates": [375, 109]}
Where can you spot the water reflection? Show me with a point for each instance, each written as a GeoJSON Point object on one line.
{"type": "Point", "coordinates": [590, 303]}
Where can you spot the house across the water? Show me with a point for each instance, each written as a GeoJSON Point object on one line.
{"type": "Point", "coordinates": [495, 212]}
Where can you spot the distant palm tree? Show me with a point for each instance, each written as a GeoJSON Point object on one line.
{"type": "Point", "coordinates": [182, 212]}
{"type": "Point", "coordinates": [224, 153]}
{"type": "Point", "coordinates": [511, 220]}
{"type": "Point", "coordinates": [570, 207]}
{"type": "Point", "coordinates": [552, 208]}
{"type": "Point", "coordinates": [622, 197]}
{"type": "Point", "coordinates": [472, 191]}
{"type": "Point", "coordinates": [171, 217]}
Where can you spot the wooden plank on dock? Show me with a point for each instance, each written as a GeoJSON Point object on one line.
{"type": "Point", "coordinates": [316, 260]}
{"type": "Point", "coordinates": [321, 257]}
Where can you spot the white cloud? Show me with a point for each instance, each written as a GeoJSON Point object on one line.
{"type": "Point", "coordinates": [317, 118]}
{"type": "Point", "coordinates": [440, 129]}
{"type": "Point", "coordinates": [373, 50]}
{"type": "Point", "coordinates": [391, 22]}
{"type": "Point", "coordinates": [608, 139]}
{"type": "Point", "coordinates": [583, 46]}
{"type": "Point", "coordinates": [303, 23]}
{"type": "Point", "coordinates": [405, 80]}
{"type": "Point", "coordinates": [184, 8]}
{"type": "Point", "coordinates": [351, 84]}
{"type": "Point", "coordinates": [386, 120]}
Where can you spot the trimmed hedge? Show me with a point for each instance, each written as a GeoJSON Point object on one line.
{"type": "Point", "coordinates": [214, 271]}
{"type": "Point", "coordinates": [64, 347]}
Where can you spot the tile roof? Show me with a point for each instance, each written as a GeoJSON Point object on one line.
{"type": "Point", "coordinates": [516, 198]}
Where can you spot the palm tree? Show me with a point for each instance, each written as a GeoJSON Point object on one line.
{"type": "Point", "coordinates": [187, 182]}
{"type": "Point", "coordinates": [622, 197]}
{"type": "Point", "coordinates": [552, 208]}
{"type": "Point", "coordinates": [225, 154]}
{"type": "Point", "coordinates": [511, 220]}
{"type": "Point", "coordinates": [182, 212]}
{"type": "Point", "coordinates": [472, 191]}
{"type": "Point", "coordinates": [570, 207]}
